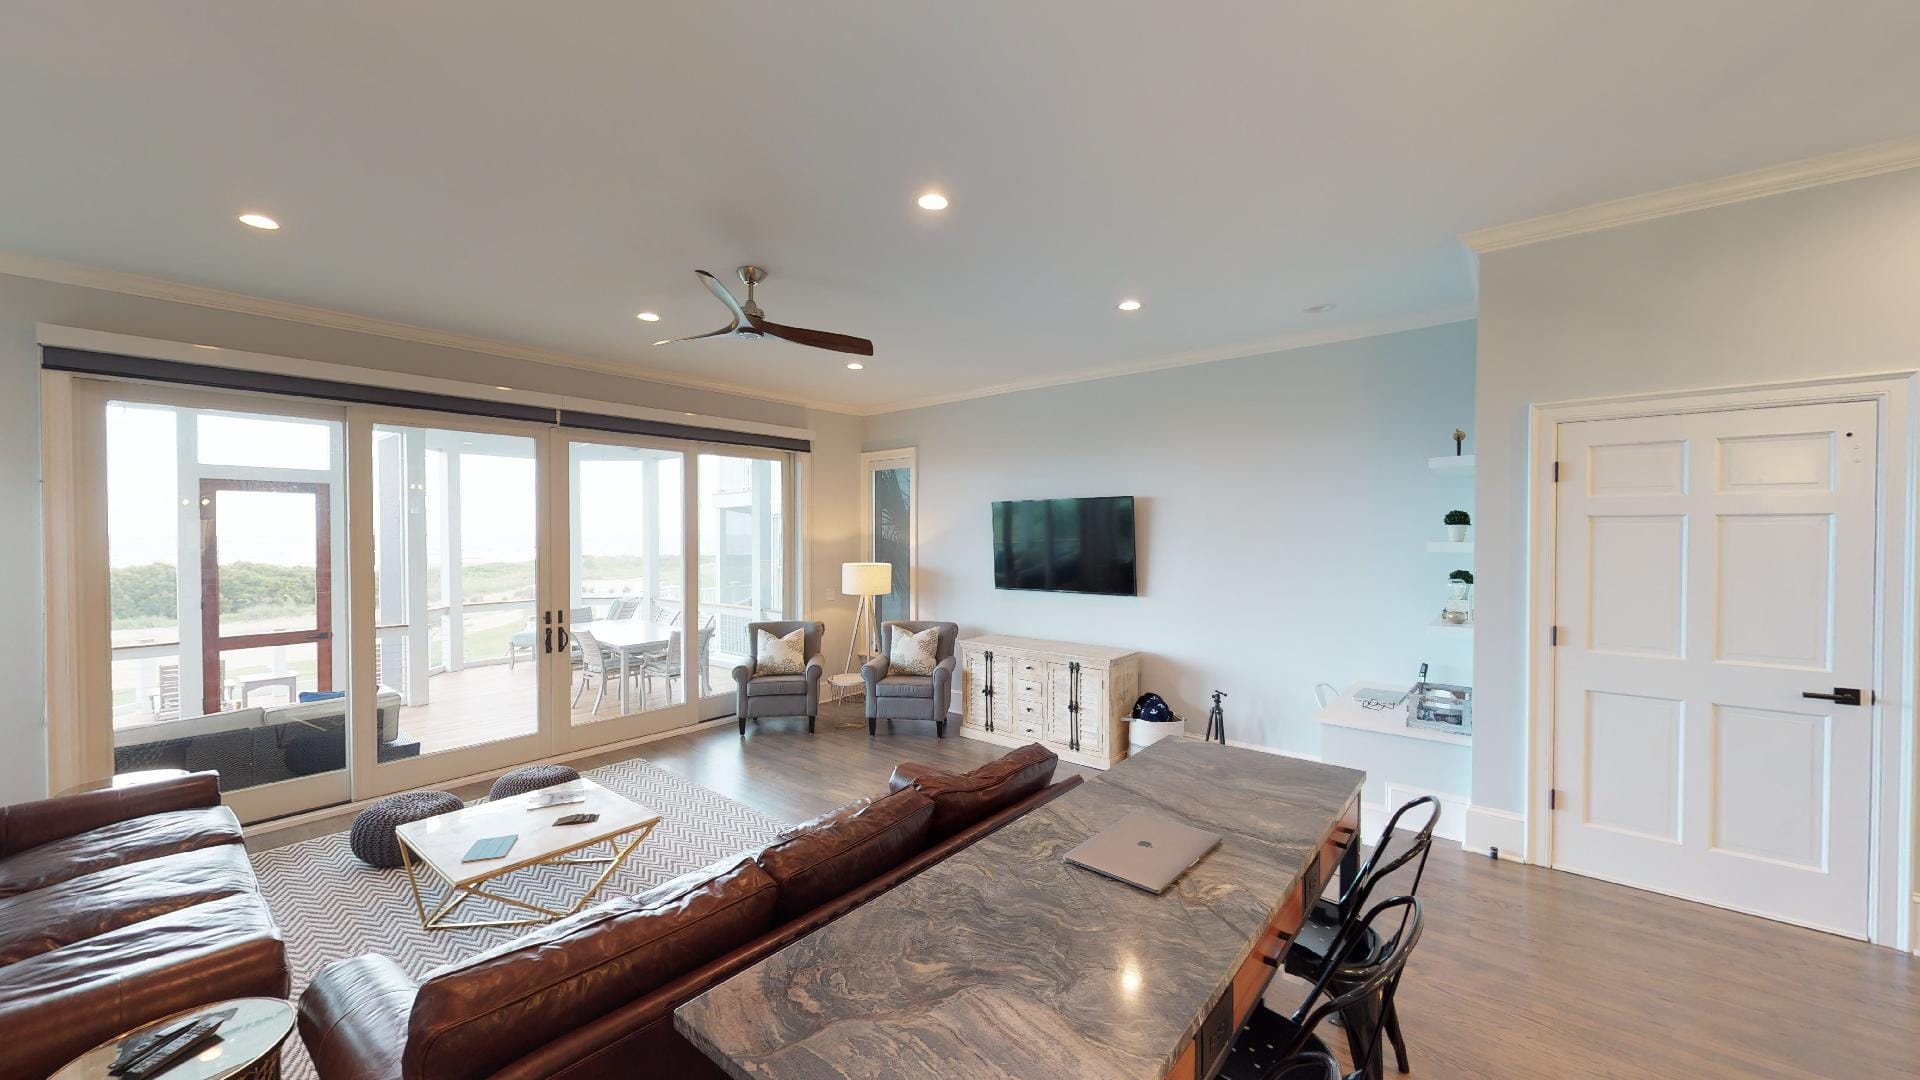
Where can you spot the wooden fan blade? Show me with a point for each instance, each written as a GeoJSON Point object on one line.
{"type": "Point", "coordinates": [725, 331]}
{"type": "Point", "coordinates": [819, 339]}
{"type": "Point", "coordinates": [725, 297]}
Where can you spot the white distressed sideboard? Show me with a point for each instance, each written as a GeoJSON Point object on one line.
{"type": "Point", "coordinates": [1074, 698]}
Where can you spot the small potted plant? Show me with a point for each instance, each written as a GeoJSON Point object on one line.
{"type": "Point", "coordinates": [1458, 608]}
{"type": "Point", "coordinates": [1457, 522]}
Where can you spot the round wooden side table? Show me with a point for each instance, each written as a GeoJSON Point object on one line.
{"type": "Point", "coordinates": [249, 1046]}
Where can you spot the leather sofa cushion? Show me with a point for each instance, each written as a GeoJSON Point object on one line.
{"type": "Point", "coordinates": [84, 907]}
{"type": "Point", "coordinates": [122, 842]}
{"type": "Point", "coordinates": [777, 686]}
{"type": "Point", "coordinates": [960, 799]}
{"type": "Point", "coordinates": [30, 824]}
{"type": "Point", "coordinates": [353, 1018]}
{"type": "Point", "coordinates": [471, 1018]}
{"type": "Point", "coordinates": [59, 1004]}
{"type": "Point", "coordinates": [920, 686]}
{"type": "Point", "coordinates": [845, 848]}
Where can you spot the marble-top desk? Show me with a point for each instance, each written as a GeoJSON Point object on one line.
{"type": "Point", "coordinates": [1004, 961]}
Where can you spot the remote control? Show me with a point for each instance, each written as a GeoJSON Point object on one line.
{"type": "Point", "coordinates": [578, 819]}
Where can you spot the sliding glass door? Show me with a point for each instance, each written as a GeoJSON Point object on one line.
{"type": "Point", "coordinates": [741, 504]}
{"type": "Point", "coordinates": [626, 589]}
{"type": "Point", "coordinates": [224, 553]}
{"type": "Point", "coordinates": [457, 626]}
{"type": "Point", "coordinates": [328, 604]}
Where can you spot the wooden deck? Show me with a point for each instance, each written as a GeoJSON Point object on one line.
{"type": "Point", "coordinates": [491, 702]}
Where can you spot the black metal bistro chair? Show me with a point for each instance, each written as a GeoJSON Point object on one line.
{"type": "Point", "coordinates": [1307, 957]}
{"type": "Point", "coordinates": [1271, 1046]}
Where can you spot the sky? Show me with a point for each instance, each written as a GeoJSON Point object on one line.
{"type": "Point", "coordinates": [498, 514]}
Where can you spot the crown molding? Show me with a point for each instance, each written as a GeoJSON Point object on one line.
{"type": "Point", "coordinates": [1287, 343]}
{"type": "Point", "coordinates": [18, 264]}
{"type": "Point", "coordinates": [1854, 164]}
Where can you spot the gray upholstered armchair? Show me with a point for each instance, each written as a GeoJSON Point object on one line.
{"type": "Point", "coordinates": [910, 697]}
{"type": "Point", "coordinates": [780, 695]}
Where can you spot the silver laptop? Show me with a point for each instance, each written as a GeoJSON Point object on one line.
{"type": "Point", "coordinates": [1143, 849]}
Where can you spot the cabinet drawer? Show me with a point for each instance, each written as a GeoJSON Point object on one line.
{"type": "Point", "coordinates": [1029, 711]}
{"type": "Point", "coordinates": [1029, 669]}
{"type": "Point", "coordinates": [1028, 688]}
{"type": "Point", "coordinates": [1030, 730]}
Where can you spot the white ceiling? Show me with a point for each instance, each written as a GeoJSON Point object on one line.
{"type": "Point", "coordinates": [537, 173]}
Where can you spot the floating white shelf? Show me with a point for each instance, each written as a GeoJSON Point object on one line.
{"type": "Point", "coordinates": [1345, 712]}
{"type": "Point", "coordinates": [1452, 463]}
{"type": "Point", "coordinates": [1464, 547]}
{"type": "Point", "coordinates": [1441, 626]}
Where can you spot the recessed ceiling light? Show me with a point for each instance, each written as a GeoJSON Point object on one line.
{"type": "Point", "coordinates": [503, 388]}
{"type": "Point", "coordinates": [664, 341]}
{"type": "Point", "coordinates": [1129, 305]}
{"type": "Point", "coordinates": [259, 221]}
{"type": "Point", "coordinates": [1320, 309]}
{"type": "Point", "coordinates": [200, 346]}
{"type": "Point", "coordinates": [647, 316]}
{"type": "Point", "coordinates": [855, 365]}
{"type": "Point", "coordinates": [932, 200]}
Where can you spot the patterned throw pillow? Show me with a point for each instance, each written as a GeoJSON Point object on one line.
{"type": "Point", "coordinates": [785, 655]}
{"type": "Point", "coordinates": [914, 654]}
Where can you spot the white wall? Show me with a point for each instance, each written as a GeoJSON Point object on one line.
{"type": "Point", "coordinates": [1284, 508]}
{"type": "Point", "coordinates": [25, 302]}
{"type": "Point", "coordinates": [1819, 282]}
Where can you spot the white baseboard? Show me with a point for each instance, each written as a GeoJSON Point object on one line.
{"type": "Point", "coordinates": [1453, 812]}
{"type": "Point", "coordinates": [1269, 749]}
{"type": "Point", "coordinates": [1487, 829]}
{"type": "Point", "coordinates": [1913, 924]}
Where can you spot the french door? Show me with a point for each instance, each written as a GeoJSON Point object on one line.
{"type": "Point", "coordinates": [330, 603]}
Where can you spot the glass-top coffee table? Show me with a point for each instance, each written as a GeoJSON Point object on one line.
{"type": "Point", "coordinates": [248, 1047]}
{"type": "Point", "coordinates": [435, 846]}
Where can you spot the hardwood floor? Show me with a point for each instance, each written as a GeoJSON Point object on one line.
{"type": "Point", "coordinates": [1522, 972]}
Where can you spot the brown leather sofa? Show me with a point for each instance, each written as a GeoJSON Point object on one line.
{"type": "Point", "coordinates": [593, 995]}
{"type": "Point", "coordinates": [121, 906]}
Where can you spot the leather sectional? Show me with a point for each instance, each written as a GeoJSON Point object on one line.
{"type": "Point", "coordinates": [121, 906]}
{"type": "Point", "coordinates": [593, 995]}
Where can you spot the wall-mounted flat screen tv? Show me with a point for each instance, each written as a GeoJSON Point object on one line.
{"type": "Point", "coordinates": [1065, 545]}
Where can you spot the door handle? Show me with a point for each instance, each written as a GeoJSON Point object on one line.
{"type": "Point", "coordinates": [549, 637]}
{"type": "Point", "coordinates": [1842, 695]}
{"type": "Point", "coordinates": [564, 639]}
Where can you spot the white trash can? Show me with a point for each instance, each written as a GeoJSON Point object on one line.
{"type": "Point", "coordinates": [1144, 733]}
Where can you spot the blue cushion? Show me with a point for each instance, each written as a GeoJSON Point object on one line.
{"type": "Point", "coordinates": [320, 695]}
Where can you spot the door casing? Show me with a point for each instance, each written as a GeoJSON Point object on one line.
{"type": "Point", "coordinates": [1891, 915]}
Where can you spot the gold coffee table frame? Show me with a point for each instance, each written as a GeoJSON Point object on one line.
{"type": "Point", "coordinates": [436, 845]}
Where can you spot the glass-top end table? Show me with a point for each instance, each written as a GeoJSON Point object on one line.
{"type": "Point", "coordinates": [249, 1046]}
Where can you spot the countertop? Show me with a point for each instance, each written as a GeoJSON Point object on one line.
{"type": "Point", "coordinates": [1004, 961]}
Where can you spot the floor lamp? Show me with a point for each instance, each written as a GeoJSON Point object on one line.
{"type": "Point", "coordinates": [865, 580]}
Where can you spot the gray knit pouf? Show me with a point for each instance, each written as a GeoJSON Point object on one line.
{"type": "Point", "coordinates": [531, 778]}
{"type": "Point", "coordinates": [373, 839]}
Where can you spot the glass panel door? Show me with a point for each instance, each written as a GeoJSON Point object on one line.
{"type": "Point", "coordinates": [459, 633]}
{"type": "Point", "coordinates": [626, 590]}
{"type": "Point", "coordinates": [741, 502]}
{"type": "Point", "coordinates": [233, 664]}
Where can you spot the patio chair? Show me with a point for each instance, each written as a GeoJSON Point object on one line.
{"type": "Point", "coordinates": [597, 662]}
{"type": "Point", "coordinates": [666, 665]}
{"type": "Point", "coordinates": [624, 607]}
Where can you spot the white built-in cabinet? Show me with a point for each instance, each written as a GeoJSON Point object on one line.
{"type": "Point", "coordinates": [1074, 698]}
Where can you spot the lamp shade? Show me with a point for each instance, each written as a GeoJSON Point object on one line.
{"type": "Point", "coordinates": [866, 578]}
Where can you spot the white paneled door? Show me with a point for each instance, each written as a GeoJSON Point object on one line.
{"type": "Point", "coordinates": [1713, 570]}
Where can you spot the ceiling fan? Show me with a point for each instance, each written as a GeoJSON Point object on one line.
{"type": "Point", "coordinates": [750, 322]}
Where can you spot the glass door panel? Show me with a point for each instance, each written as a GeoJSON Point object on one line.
{"type": "Point", "coordinates": [232, 665]}
{"type": "Point", "coordinates": [626, 573]}
{"type": "Point", "coordinates": [741, 504]}
{"type": "Point", "coordinates": [457, 645]}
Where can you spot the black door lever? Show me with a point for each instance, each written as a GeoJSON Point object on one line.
{"type": "Point", "coordinates": [1842, 695]}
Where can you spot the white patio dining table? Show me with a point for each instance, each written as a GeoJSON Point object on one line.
{"type": "Point", "coordinates": [631, 639]}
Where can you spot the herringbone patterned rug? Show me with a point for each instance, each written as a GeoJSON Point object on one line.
{"type": "Point", "coordinates": [331, 905]}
